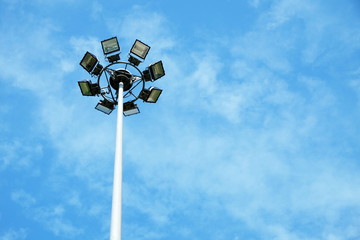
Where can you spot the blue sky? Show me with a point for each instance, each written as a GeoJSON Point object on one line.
{"type": "Point", "coordinates": [255, 136]}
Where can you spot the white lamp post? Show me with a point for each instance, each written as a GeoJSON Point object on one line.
{"type": "Point", "coordinates": [116, 209]}
{"type": "Point", "coordinates": [120, 83]}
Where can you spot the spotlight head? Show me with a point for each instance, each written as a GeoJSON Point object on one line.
{"type": "Point", "coordinates": [105, 106]}
{"type": "Point", "coordinates": [150, 95]}
{"type": "Point", "coordinates": [157, 70]}
{"type": "Point", "coordinates": [97, 69]}
{"type": "Point", "coordinates": [146, 75]}
{"type": "Point", "coordinates": [130, 108]}
{"type": "Point", "coordinates": [134, 60]}
{"type": "Point", "coordinates": [88, 88]}
{"type": "Point", "coordinates": [88, 62]}
{"type": "Point", "coordinates": [113, 58]}
{"type": "Point", "coordinates": [140, 49]}
{"type": "Point", "coordinates": [110, 45]}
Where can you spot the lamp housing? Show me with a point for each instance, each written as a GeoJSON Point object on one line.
{"type": "Point", "coordinates": [146, 75]}
{"type": "Point", "coordinates": [97, 69]}
{"type": "Point", "coordinates": [113, 58]}
{"type": "Point", "coordinates": [150, 95]}
{"type": "Point", "coordinates": [134, 60]}
{"type": "Point", "coordinates": [130, 108]}
{"type": "Point", "coordinates": [157, 70]}
{"type": "Point", "coordinates": [88, 88]}
{"type": "Point", "coordinates": [105, 106]}
{"type": "Point", "coordinates": [89, 61]}
{"type": "Point", "coordinates": [140, 49]}
{"type": "Point", "coordinates": [110, 45]}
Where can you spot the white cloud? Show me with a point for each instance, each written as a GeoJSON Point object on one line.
{"type": "Point", "coordinates": [97, 9]}
{"type": "Point", "coordinates": [23, 198]}
{"type": "Point", "coordinates": [246, 144]}
{"type": "Point", "coordinates": [150, 27]}
{"type": "Point", "coordinates": [52, 218]}
{"type": "Point", "coordinates": [14, 234]}
{"type": "Point", "coordinates": [355, 84]}
{"type": "Point", "coordinates": [267, 166]}
{"type": "Point", "coordinates": [16, 154]}
{"type": "Point", "coordinates": [254, 3]}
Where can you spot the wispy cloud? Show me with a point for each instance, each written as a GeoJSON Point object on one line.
{"type": "Point", "coordinates": [282, 163]}
{"type": "Point", "coordinates": [256, 140]}
{"type": "Point", "coordinates": [14, 234]}
{"type": "Point", "coordinates": [52, 217]}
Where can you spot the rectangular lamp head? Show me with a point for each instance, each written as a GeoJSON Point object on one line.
{"type": "Point", "coordinates": [140, 49]}
{"type": "Point", "coordinates": [130, 108]}
{"type": "Point", "coordinates": [105, 106]}
{"type": "Point", "coordinates": [113, 58]}
{"type": "Point", "coordinates": [110, 45]}
{"type": "Point", "coordinates": [134, 60]}
{"type": "Point", "coordinates": [157, 70]}
{"type": "Point", "coordinates": [85, 87]}
{"type": "Point", "coordinates": [97, 69]}
{"type": "Point", "coordinates": [146, 75]}
{"type": "Point", "coordinates": [88, 88]}
{"type": "Point", "coordinates": [89, 61]}
{"type": "Point", "coordinates": [154, 95]}
{"type": "Point", "coordinates": [150, 95]}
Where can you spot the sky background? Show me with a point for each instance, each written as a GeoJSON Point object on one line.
{"type": "Point", "coordinates": [255, 136]}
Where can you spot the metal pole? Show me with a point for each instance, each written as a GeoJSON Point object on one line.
{"type": "Point", "coordinates": [116, 213]}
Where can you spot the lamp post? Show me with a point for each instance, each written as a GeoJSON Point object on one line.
{"type": "Point", "coordinates": [115, 82]}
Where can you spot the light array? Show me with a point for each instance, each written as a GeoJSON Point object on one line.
{"type": "Point", "coordinates": [137, 54]}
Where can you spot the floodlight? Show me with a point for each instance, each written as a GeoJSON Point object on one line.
{"type": "Point", "coordinates": [97, 69]}
{"type": "Point", "coordinates": [150, 95]}
{"type": "Point", "coordinates": [113, 58]}
{"type": "Point", "coordinates": [134, 60]}
{"type": "Point", "coordinates": [130, 108]}
{"type": "Point", "coordinates": [146, 75]}
{"type": "Point", "coordinates": [110, 45]}
{"type": "Point", "coordinates": [140, 49]}
{"type": "Point", "coordinates": [105, 106]}
{"type": "Point", "coordinates": [89, 61]}
{"type": "Point", "coordinates": [157, 70]}
{"type": "Point", "coordinates": [88, 88]}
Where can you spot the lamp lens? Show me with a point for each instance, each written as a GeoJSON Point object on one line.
{"type": "Point", "coordinates": [103, 109]}
{"type": "Point", "coordinates": [154, 95]}
{"type": "Point", "coordinates": [110, 45]}
{"type": "Point", "coordinates": [157, 70]}
{"type": "Point", "coordinates": [130, 108]}
{"type": "Point", "coordinates": [88, 62]}
{"type": "Point", "coordinates": [85, 88]}
{"type": "Point", "coordinates": [140, 49]}
{"type": "Point", "coordinates": [131, 112]}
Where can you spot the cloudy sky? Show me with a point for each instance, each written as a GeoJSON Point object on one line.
{"type": "Point", "coordinates": [255, 136]}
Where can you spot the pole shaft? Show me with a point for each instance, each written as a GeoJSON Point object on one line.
{"type": "Point", "coordinates": [116, 210]}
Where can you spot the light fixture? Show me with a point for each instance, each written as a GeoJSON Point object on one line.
{"type": "Point", "coordinates": [89, 61]}
{"type": "Point", "coordinates": [97, 69]}
{"type": "Point", "coordinates": [130, 108]}
{"type": "Point", "coordinates": [105, 106]}
{"type": "Point", "coordinates": [150, 95]}
{"type": "Point", "coordinates": [121, 76]}
{"type": "Point", "coordinates": [146, 75]}
{"type": "Point", "coordinates": [110, 45]}
{"type": "Point", "coordinates": [88, 88]}
{"type": "Point", "coordinates": [140, 49]}
{"type": "Point", "coordinates": [134, 60]}
{"type": "Point", "coordinates": [113, 58]}
{"type": "Point", "coordinates": [157, 70]}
